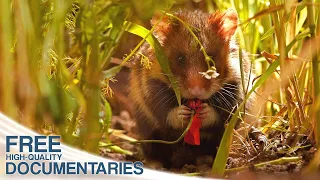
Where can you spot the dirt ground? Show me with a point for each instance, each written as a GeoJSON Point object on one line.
{"type": "Point", "coordinates": [251, 156]}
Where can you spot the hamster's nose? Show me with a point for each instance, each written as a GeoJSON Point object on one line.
{"type": "Point", "coordinates": [196, 91]}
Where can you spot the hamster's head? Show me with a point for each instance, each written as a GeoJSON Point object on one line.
{"type": "Point", "coordinates": [186, 58]}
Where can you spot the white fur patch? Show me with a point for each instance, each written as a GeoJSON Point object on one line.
{"type": "Point", "coordinates": [211, 119]}
{"type": "Point", "coordinates": [173, 119]}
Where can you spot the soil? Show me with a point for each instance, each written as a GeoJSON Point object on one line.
{"type": "Point", "coordinates": [241, 155]}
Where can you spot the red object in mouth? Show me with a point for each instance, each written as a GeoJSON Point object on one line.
{"type": "Point", "coordinates": [193, 134]}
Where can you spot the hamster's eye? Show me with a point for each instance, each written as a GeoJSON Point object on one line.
{"type": "Point", "coordinates": [181, 60]}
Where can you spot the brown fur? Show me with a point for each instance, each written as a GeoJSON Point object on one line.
{"type": "Point", "coordinates": [154, 99]}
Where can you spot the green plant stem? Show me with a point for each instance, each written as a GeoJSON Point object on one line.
{"type": "Point", "coordinates": [72, 125]}
{"type": "Point", "coordinates": [300, 104]}
{"type": "Point", "coordinates": [220, 161]}
{"type": "Point", "coordinates": [6, 60]}
{"type": "Point", "coordinates": [277, 161]}
{"type": "Point", "coordinates": [60, 11]}
{"type": "Point", "coordinates": [316, 74]}
{"type": "Point", "coordinates": [138, 46]}
{"type": "Point", "coordinates": [163, 141]}
{"type": "Point", "coordinates": [92, 75]}
{"type": "Point", "coordinates": [107, 119]}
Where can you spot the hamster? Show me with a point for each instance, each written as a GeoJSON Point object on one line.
{"type": "Point", "coordinates": [158, 115]}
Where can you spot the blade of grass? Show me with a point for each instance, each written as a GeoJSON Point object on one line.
{"type": "Point", "coordinates": [316, 73]}
{"type": "Point", "coordinates": [161, 57]}
{"type": "Point", "coordinates": [92, 85]}
{"type": "Point", "coordinates": [7, 66]}
{"type": "Point", "coordinates": [282, 160]}
{"type": "Point", "coordinates": [267, 34]}
{"type": "Point", "coordinates": [220, 161]}
{"type": "Point", "coordinates": [27, 62]}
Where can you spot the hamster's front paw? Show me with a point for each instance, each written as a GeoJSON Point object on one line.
{"type": "Point", "coordinates": [208, 115]}
{"type": "Point", "coordinates": [179, 117]}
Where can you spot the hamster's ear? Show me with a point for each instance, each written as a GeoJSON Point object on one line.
{"type": "Point", "coordinates": [162, 28]}
{"type": "Point", "coordinates": [226, 23]}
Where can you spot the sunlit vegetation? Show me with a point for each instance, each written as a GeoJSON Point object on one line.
{"type": "Point", "coordinates": [59, 57]}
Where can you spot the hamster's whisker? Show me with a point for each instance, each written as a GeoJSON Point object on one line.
{"type": "Point", "coordinates": [160, 74]}
{"type": "Point", "coordinates": [164, 98]}
{"type": "Point", "coordinates": [228, 91]}
{"type": "Point", "coordinates": [158, 93]}
{"type": "Point", "coordinates": [218, 106]}
{"type": "Point", "coordinates": [231, 85]}
{"type": "Point", "coordinates": [230, 94]}
{"type": "Point", "coordinates": [219, 100]}
{"type": "Point", "coordinates": [168, 100]}
{"type": "Point", "coordinates": [225, 100]}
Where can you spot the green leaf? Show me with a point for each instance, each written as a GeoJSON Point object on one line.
{"type": "Point", "coordinates": [107, 119]}
{"type": "Point", "coordinates": [108, 112]}
{"type": "Point", "coordinates": [142, 32]}
{"type": "Point", "coordinates": [302, 19]}
{"type": "Point", "coordinates": [223, 151]}
{"type": "Point", "coordinates": [111, 72]}
{"type": "Point", "coordinates": [115, 148]}
{"type": "Point", "coordinates": [267, 34]}
{"type": "Point", "coordinates": [298, 37]}
{"type": "Point", "coordinates": [160, 54]}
